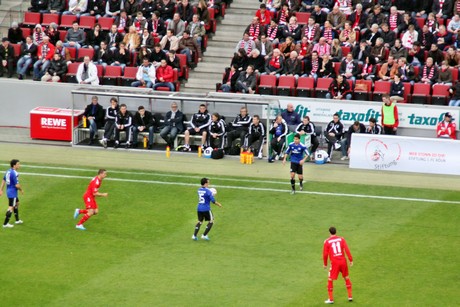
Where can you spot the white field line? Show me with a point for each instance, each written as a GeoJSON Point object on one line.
{"type": "Point", "coordinates": [255, 189]}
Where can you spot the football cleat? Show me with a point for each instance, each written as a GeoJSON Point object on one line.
{"type": "Point", "coordinates": [350, 299]}
{"type": "Point", "coordinates": [205, 237]}
{"type": "Point", "coordinates": [260, 156]}
{"type": "Point", "coordinates": [301, 188]}
{"type": "Point", "coordinates": [8, 226]}
{"type": "Point", "coordinates": [277, 157]}
{"type": "Point", "coordinates": [103, 143]}
{"type": "Point", "coordinates": [292, 192]}
{"type": "Point", "coordinates": [194, 238]}
{"type": "Point", "coordinates": [19, 222]}
{"type": "Point", "coordinates": [81, 227]}
{"type": "Point", "coordinates": [76, 213]}
{"type": "Point", "coordinates": [328, 301]}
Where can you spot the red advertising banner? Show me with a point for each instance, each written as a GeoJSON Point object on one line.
{"type": "Point", "coordinates": [53, 123]}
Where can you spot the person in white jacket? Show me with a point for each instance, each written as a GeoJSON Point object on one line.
{"type": "Point", "coordinates": [146, 74]}
{"type": "Point", "coordinates": [87, 72]}
{"type": "Point", "coordinates": [76, 7]}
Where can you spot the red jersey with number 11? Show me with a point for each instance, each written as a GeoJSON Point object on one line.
{"type": "Point", "coordinates": [335, 248]}
{"type": "Point", "coordinates": [93, 187]}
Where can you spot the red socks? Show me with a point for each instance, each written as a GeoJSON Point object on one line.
{"type": "Point", "coordinates": [84, 219]}
{"type": "Point", "coordinates": [83, 211]}
{"type": "Point", "coordinates": [330, 288]}
{"type": "Point", "coordinates": [348, 285]}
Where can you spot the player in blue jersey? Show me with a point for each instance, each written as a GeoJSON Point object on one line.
{"type": "Point", "coordinates": [12, 187]}
{"type": "Point", "coordinates": [205, 198]}
{"type": "Point", "coordinates": [298, 153]}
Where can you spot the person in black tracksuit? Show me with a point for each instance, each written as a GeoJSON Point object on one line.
{"type": "Point", "coordinates": [334, 132]}
{"type": "Point", "coordinates": [307, 127]}
{"type": "Point", "coordinates": [239, 127]}
{"type": "Point", "coordinates": [255, 136]}
{"type": "Point", "coordinates": [110, 116]}
{"type": "Point", "coordinates": [143, 121]}
{"type": "Point", "coordinates": [199, 125]}
{"type": "Point", "coordinates": [216, 132]}
{"type": "Point", "coordinates": [279, 131]}
{"type": "Point", "coordinates": [123, 122]}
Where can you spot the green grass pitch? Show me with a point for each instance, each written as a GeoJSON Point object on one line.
{"type": "Point", "coordinates": [265, 248]}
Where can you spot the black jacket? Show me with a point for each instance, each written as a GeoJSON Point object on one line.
{"type": "Point", "coordinates": [98, 114]}
{"type": "Point", "coordinates": [31, 51]}
{"type": "Point", "coordinates": [201, 120]}
{"type": "Point", "coordinates": [336, 128]}
{"type": "Point", "coordinates": [232, 80]}
{"type": "Point", "coordinates": [125, 120]}
{"type": "Point", "coordinates": [177, 121]}
{"type": "Point", "coordinates": [146, 121]}
{"type": "Point", "coordinates": [59, 68]}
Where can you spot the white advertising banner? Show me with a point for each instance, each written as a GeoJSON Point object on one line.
{"type": "Point", "coordinates": [322, 110]}
{"type": "Point", "coordinates": [405, 154]}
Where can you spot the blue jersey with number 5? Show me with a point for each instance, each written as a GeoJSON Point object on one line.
{"type": "Point", "coordinates": [205, 198]}
{"type": "Point", "coordinates": [11, 180]}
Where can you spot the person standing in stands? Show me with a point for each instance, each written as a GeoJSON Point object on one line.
{"type": "Point", "coordinates": [11, 180]}
{"type": "Point", "coordinates": [390, 117]}
{"type": "Point", "coordinates": [94, 114]}
{"type": "Point", "coordinates": [110, 117]}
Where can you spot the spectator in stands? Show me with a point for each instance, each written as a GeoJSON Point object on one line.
{"type": "Point", "coordinates": [339, 89]}
{"type": "Point", "coordinates": [373, 127]}
{"type": "Point", "coordinates": [254, 29]}
{"type": "Point", "coordinates": [328, 33]}
{"type": "Point", "coordinates": [165, 76]}
{"type": "Point", "coordinates": [27, 57]}
{"type": "Point", "coordinates": [264, 15]}
{"type": "Point", "coordinates": [63, 51]}
{"type": "Point", "coordinates": [238, 128]}
{"type": "Point", "coordinates": [394, 20]}
{"type": "Point", "coordinates": [166, 9]}
{"type": "Point", "coordinates": [406, 22]}
{"type": "Point", "coordinates": [53, 33]}
{"type": "Point", "coordinates": [416, 55]}
{"type": "Point", "coordinates": [284, 15]}
{"type": "Point", "coordinates": [156, 25]}
{"type": "Point", "coordinates": [336, 51]}
{"type": "Point", "coordinates": [291, 117]}
{"type": "Point", "coordinates": [216, 132]}
{"type": "Point", "coordinates": [293, 66]}
{"type": "Point", "coordinates": [15, 34]}
{"type": "Point", "coordinates": [56, 70]}
{"type": "Point", "coordinates": [94, 8]}
{"type": "Point", "coordinates": [333, 134]}
{"type": "Point", "coordinates": [326, 5]}
{"type": "Point", "coordinates": [240, 59]}
{"type": "Point", "coordinates": [344, 6]}
{"type": "Point", "coordinates": [143, 121]}
{"type": "Point", "coordinates": [132, 40]}
{"type": "Point", "coordinates": [336, 18]}
{"type": "Point", "coordinates": [311, 31]}
{"type": "Point", "coordinates": [198, 125]}
{"type": "Point", "coordinates": [177, 25]}
{"type": "Point", "coordinates": [455, 95]}
{"type": "Point", "coordinates": [278, 130]}
{"type": "Point", "coordinates": [38, 34]}
{"type": "Point", "coordinates": [185, 11]}
{"type": "Point", "coordinates": [287, 47]}
{"type": "Point", "coordinates": [143, 53]}
{"type": "Point", "coordinates": [358, 18]}
{"type": "Point", "coordinates": [45, 53]}
{"type": "Point", "coordinates": [196, 29]}
{"type": "Point", "coordinates": [446, 128]}
{"type": "Point", "coordinates": [145, 75]}
{"type": "Point", "coordinates": [264, 46]}
{"type": "Point", "coordinates": [255, 136]}
{"type": "Point", "coordinates": [452, 57]}
{"type": "Point", "coordinates": [202, 11]}
{"type": "Point", "coordinates": [131, 7]}
{"type": "Point", "coordinates": [347, 37]}
{"type": "Point", "coordinates": [306, 5]}
{"type": "Point", "coordinates": [272, 5]}
{"type": "Point", "coordinates": [456, 6]}
{"type": "Point", "coordinates": [75, 36]}
{"type": "Point", "coordinates": [398, 51]}
{"type": "Point", "coordinates": [275, 64]}
{"type": "Point", "coordinates": [87, 72]}
{"type": "Point", "coordinates": [104, 55]}
{"type": "Point", "coordinates": [397, 89]}
{"type": "Point", "coordinates": [306, 127]}
{"type": "Point", "coordinates": [122, 22]}
{"type": "Point", "coordinates": [442, 9]}
{"type": "Point", "coordinates": [376, 17]}
{"type": "Point", "coordinates": [123, 122]}
{"type": "Point", "coordinates": [95, 37]}
{"type": "Point", "coordinates": [304, 49]}
{"type": "Point", "coordinates": [147, 40]}
{"type": "Point", "coordinates": [6, 58]}
{"type": "Point", "coordinates": [113, 38]}
{"type": "Point", "coordinates": [325, 69]}
{"type": "Point", "coordinates": [173, 124]}
{"type": "Point", "coordinates": [139, 21]}
{"type": "Point", "coordinates": [368, 70]}
{"type": "Point", "coordinates": [372, 34]}
{"type": "Point", "coordinates": [345, 142]}
{"type": "Point", "coordinates": [293, 5]}
{"type": "Point", "coordinates": [292, 30]}
{"type": "Point", "coordinates": [246, 81]}
{"type": "Point", "coordinates": [247, 44]}
{"type": "Point", "coordinates": [322, 47]}
{"type": "Point", "coordinates": [436, 54]}
{"type": "Point", "coordinates": [390, 117]}
{"type": "Point", "coordinates": [94, 114]}
{"type": "Point", "coordinates": [146, 8]}
{"type": "Point", "coordinates": [56, 6]}
{"type": "Point", "coordinates": [349, 67]}
{"type": "Point", "coordinates": [38, 6]}
{"type": "Point", "coordinates": [256, 60]}
{"type": "Point", "coordinates": [121, 56]}
{"type": "Point", "coordinates": [432, 23]}
{"type": "Point", "coordinates": [229, 80]}
{"type": "Point", "coordinates": [76, 7]}
{"type": "Point", "coordinates": [173, 60]}
{"type": "Point", "coordinates": [406, 71]}
{"type": "Point", "coordinates": [157, 55]}
{"type": "Point", "coordinates": [378, 52]}
{"type": "Point", "coordinates": [443, 38]}
{"type": "Point", "coordinates": [169, 42]}
{"type": "Point", "coordinates": [319, 15]}
{"type": "Point", "coordinates": [385, 5]}
{"type": "Point", "coordinates": [189, 47]}
{"type": "Point", "coordinates": [110, 117]}
{"type": "Point", "coordinates": [421, 9]}
{"type": "Point", "coordinates": [429, 72]}
{"type": "Point", "coordinates": [313, 65]}
{"type": "Point", "coordinates": [387, 36]}
{"type": "Point", "coordinates": [453, 26]}
{"type": "Point", "coordinates": [444, 74]}
{"type": "Point", "coordinates": [113, 8]}
{"type": "Point", "coordinates": [273, 32]}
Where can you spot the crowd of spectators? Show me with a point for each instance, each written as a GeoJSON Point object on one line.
{"type": "Point", "coordinates": [416, 41]}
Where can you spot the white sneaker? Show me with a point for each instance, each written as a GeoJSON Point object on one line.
{"type": "Point", "coordinates": [19, 222]}
{"type": "Point", "coordinates": [260, 156]}
{"type": "Point", "coordinates": [8, 226]}
{"type": "Point", "coordinates": [350, 299]}
{"type": "Point", "coordinates": [205, 237]}
{"type": "Point", "coordinates": [344, 158]}
{"type": "Point", "coordinates": [194, 238]}
{"type": "Point", "coordinates": [81, 227]}
{"type": "Point", "coordinates": [328, 160]}
{"type": "Point", "coordinates": [277, 157]}
{"type": "Point", "coordinates": [328, 301]}
{"type": "Point", "coordinates": [103, 143]}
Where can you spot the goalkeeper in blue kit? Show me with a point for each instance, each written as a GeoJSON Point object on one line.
{"type": "Point", "coordinates": [298, 153]}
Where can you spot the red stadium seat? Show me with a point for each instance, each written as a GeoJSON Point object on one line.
{"type": "Point", "coordinates": [67, 21]}
{"type": "Point", "coordinates": [72, 72]}
{"type": "Point", "coordinates": [337, 68]}
{"type": "Point", "coordinates": [129, 75]}
{"type": "Point", "coordinates": [440, 94]}
{"type": "Point", "coordinates": [302, 17]}
{"type": "Point", "coordinates": [305, 87]}
{"type": "Point", "coordinates": [267, 84]}
{"type": "Point", "coordinates": [286, 86]}
{"type": "Point", "coordinates": [105, 22]}
{"type": "Point", "coordinates": [31, 19]}
{"type": "Point", "coordinates": [26, 32]}
{"type": "Point", "coordinates": [112, 75]}
{"type": "Point", "coordinates": [73, 53]}
{"type": "Point", "coordinates": [363, 92]}
{"type": "Point", "coordinates": [322, 87]}
{"type": "Point", "coordinates": [407, 92]}
{"type": "Point", "coordinates": [49, 18]}
{"type": "Point", "coordinates": [454, 75]}
{"type": "Point", "coordinates": [380, 88]}
{"type": "Point", "coordinates": [17, 50]}
{"type": "Point", "coordinates": [420, 22]}
{"type": "Point", "coordinates": [421, 93]}
{"type": "Point", "coordinates": [62, 35]}
{"type": "Point", "coordinates": [82, 52]}
{"type": "Point", "coordinates": [184, 70]}
{"type": "Point", "coordinates": [345, 50]}
{"type": "Point", "coordinates": [87, 22]}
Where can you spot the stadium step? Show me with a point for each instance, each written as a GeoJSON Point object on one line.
{"type": "Point", "coordinates": [221, 47]}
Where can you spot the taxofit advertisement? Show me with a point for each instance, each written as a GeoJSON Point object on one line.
{"type": "Point", "coordinates": [406, 154]}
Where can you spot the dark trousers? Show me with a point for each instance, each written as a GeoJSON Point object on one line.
{"type": "Point", "coordinates": [389, 130]}
{"type": "Point", "coordinates": [276, 145]}
{"type": "Point", "coordinates": [109, 129]}
{"type": "Point", "coordinates": [9, 67]}
{"type": "Point", "coordinates": [255, 143]}
{"type": "Point", "coordinates": [129, 132]}
{"type": "Point", "coordinates": [235, 134]}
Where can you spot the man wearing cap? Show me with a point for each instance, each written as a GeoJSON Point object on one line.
{"type": "Point", "coordinates": [447, 128]}
{"type": "Point", "coordinates": [6, 57]}
{"type": "Point", "coordinates": [390, 118]}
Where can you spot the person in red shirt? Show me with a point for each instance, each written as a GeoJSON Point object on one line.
{"type": "Point", "coordinates": [264, 15]}
{"type": "Point", "coordinates": [446, 129]}
{"type": "Point", "coordinates": [165, 76]}
{"type": "Point", "coordinates": [89, 198]}
{"type": "Point", "coordinates": [335, 248]}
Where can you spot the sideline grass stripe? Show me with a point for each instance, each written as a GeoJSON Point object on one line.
{"type": "Point", "coordinates": [254, 189]}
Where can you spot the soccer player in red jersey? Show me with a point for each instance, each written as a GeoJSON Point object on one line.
{"type": "Point", "coordinates": [89, 198]}
{"type": "Point", "coordinates": [335, 248]}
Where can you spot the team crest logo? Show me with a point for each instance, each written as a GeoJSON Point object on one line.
{"type": "Point", "coordinates": [382, 155]}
